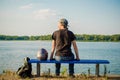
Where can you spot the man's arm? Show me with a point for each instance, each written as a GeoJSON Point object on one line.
{"type": "Point", "coordinates": [53, 49]}
{"type": "Point", "coordinates": [75, 49]}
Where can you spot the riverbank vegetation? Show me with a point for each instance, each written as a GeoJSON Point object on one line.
{"type": "Point", "coordinates": [79, 37]}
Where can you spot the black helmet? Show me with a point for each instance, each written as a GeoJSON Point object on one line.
{"type": "Point", "coordinates": [42, 54]}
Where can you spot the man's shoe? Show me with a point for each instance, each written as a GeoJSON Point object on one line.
{"type": "Point", "coordinates": [71, 75]}
{"type": "Point", "coordinates": [57, 75]}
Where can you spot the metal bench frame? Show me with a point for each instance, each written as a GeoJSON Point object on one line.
{"type": "Point", "coordinates": [82, 61]}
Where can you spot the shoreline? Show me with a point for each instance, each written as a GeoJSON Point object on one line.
{"type": "Point", "coordinates": [11, 75]}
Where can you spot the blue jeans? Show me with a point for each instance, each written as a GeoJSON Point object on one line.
{"type": "Point", "coordinates": [58, 65]}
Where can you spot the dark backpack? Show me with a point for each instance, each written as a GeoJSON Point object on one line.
{"type": "Point", "coordinates": [25, 70]}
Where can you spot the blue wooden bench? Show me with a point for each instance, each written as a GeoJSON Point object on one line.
{"type": "Point", "coordinates": [82, 61]}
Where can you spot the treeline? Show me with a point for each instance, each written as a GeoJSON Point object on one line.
{"type": "Point", "coordinates": [86, 37]}
{"type": "Point", "coordinates": [79, 37]}
{"type": "Point", "coordinates": [42, 37]}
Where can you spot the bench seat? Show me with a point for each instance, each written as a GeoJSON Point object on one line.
{"type": "Point", "coordinates": [82, 61]}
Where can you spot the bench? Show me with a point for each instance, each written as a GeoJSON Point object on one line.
{"type": "Point", "coordinates": [81, 61]}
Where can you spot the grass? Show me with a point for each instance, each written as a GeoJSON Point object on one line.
{"type": "Point", "coordinates": [10, 75]}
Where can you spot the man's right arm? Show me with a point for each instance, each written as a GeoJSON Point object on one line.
{"type": "Point", "coordinates": [75, 49]}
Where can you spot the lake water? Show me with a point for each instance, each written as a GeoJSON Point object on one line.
{"type": "Point", "coordinates": [13, 52]}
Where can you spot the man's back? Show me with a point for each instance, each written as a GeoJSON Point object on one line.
{"type": "Point", "coordinates": [63, 40]}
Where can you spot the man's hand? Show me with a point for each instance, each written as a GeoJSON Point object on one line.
{"type": "Point", "coordinates": [51, 58]}
{"type": "Point", "coordinates": [77, 58]}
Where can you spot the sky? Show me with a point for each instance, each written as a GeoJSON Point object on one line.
{"type": "Point", "coordinates": [40, 17]}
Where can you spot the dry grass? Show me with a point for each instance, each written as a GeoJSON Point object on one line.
{"type": "Point", "coordinates": [10, 75]}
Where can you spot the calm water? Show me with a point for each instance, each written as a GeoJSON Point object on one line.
{"type": "Point", "coordinates": [13, 52]}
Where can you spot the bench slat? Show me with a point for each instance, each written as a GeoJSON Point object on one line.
{"type": "Point", "coordinates": [82, 61]}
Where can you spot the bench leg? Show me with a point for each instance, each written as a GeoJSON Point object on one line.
{"type": "Point", "coordinates": [38, 69]}
{"type": "Point", "coordinates": [97, 70]}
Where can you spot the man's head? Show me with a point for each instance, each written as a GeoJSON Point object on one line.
{"type": "Point", "coordinates": [63, 23]}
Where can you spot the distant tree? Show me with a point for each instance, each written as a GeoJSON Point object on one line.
{"type": "Point", "coordinates": [2, 37]}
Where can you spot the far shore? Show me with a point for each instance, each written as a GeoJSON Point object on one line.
{"type": "Point", "coordinates": [51, 40]}
{"type": "Point", "coordinates": [79, 37]}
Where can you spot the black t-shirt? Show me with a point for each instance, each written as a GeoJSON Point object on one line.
{"type": "Point", "coordinates": [63, 39]}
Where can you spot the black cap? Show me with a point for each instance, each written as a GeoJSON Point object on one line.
{"type": "Point", "coordinates": [64, 22]}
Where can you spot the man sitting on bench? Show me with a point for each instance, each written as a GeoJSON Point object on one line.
{"type": "Point", "coordinates": [61, 43]}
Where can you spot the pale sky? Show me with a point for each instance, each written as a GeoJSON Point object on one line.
{"type": "Point", "coordinates": [40, 17]}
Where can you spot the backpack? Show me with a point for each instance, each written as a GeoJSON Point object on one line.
{"type": "Point", "coordinates": [25, 70]}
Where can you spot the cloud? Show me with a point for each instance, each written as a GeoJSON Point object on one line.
{"type": "Point", "coordinates": [44, 14]}
{"type": "Point", "coordinates": [29, 6]}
